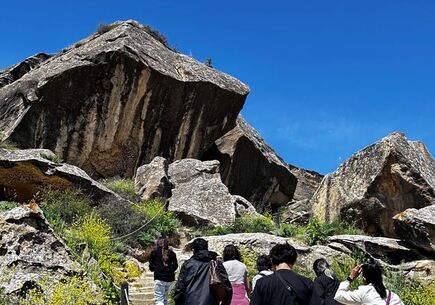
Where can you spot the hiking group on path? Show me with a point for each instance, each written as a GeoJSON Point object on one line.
{"type": "Point", "coordinates": [207, 279]}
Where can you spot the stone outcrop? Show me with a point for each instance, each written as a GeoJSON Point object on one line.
{"type": "Point", "coordinates": [378, 182]}
{"type": "Point", "coordinates": [198, 196]}
{"type": "Point", "coordinates": [243, 206]}
{"type": "Point", "coordinates": [24, 173]}
{"type": "Point", "coordinates": [17, 71]}
{"type": "Point", "coordinates": [250, 168]}
{"type": "Point", "coordinates": [308, 182]}
{"type": "Point", "coordinates": [117, 99]}
{"type": "Point", "coordinates": [389, 250]}
{"type": "Point", "coordinates": [30, 251]}
{"type": "Point", "coordinates": [417, 227]}
{"type": "Point", "coordinates": [152, 180]}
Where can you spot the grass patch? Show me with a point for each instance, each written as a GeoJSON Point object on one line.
{"type": "Point", "coordinates": [123, 187]}
{"type": "Point", "coordinates": [7, 144]}
{"type": "Point", "coordinates": [53, 158]}
{"type": "Point", "coordinates": [8, 205]}
{"type": "Point", "coordinates": [245, 224]}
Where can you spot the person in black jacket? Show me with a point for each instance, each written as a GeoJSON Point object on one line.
{"type": "Point", "coordinates": [163, 262]}
{"type": "Point", "coordinates": [283, 287]}
{"type": "Point", "coordinates": [193, 285]}
{"type": "Point", "coordinates": [325, 284]}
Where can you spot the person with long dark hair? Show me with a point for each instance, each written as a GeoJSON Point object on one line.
{"type": "Point", "coordinates": [373, 292]}
{"type": "Point", "coordinates": [163, 262]}
{"type": "Point", "coordinates": [237, 274]}
{"type": "Point", "coordinates": [325, 284]}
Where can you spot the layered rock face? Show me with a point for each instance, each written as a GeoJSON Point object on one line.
{"type": "Point", "coordinates": [23, 173]}
{"type": "Point", "coordinates": [198, 196]}
{"type": "Point", "coordinates": [115, 100]}
{"type": "Point", "coordinates": [417, 227]}
{"type": "Point", "coordinates": [308, 182]}
{"type": "Point", "coordinates": [30, 252]}
{"type": "Point", "coordinates": [250, 167]}
{"type": "Point", "coordinates": [378, 182]}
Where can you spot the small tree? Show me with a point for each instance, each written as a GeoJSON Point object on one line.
{"type": "Point", "coordinates": [208, 62]}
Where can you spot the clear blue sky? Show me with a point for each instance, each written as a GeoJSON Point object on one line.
{"type": "Point", "coordinates": [327, 77]}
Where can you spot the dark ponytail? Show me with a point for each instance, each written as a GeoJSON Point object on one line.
{"type": "Point", "coordinates": [372, 272]}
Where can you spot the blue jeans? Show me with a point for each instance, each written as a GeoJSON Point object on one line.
{"type": "Point", "coordinates": [161, 292]}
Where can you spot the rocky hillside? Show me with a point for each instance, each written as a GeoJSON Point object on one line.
{"type": "Point", "coordinates": [117, 99]}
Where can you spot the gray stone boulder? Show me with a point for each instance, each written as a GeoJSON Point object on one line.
{"type": "Point", "coordinates": [26, 172]}
{"type": "Point", "coordinates": [243, 206]}
{"type": "Point", "coordinates": [30, 251]}
{"type": "Point", "coordinates": [117, 99]}
{"type": "Point", "coordinates": [417, 228]}
{"type": "Point", "coordinates": [152, 180]}
{"type": "Point", "coordinates": [251, 168]}
{"type": "Point", "coordinates": [297, 212]}
{"type": "Point", "coordinates": [198, 195]}
{"type": "Point", "coordinates": [389, 250]}
{"type": "Point", "coordinates": [377, 183]}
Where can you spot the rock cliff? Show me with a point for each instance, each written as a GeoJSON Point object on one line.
{"type": "Point", "coordinates": [378, 182]}
{"type": "Point", "coordinates": [250, 168]}
{"type": "Point", "coordinates": [115, 100]}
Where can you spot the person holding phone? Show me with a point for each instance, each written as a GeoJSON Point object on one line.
{"type": "Point", "coordinates": [373, 292]}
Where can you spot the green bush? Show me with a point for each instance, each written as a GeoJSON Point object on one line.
{"type": "Point", "coordinates": [123, 187]}
{"type": "Point", "coordinates": [318, 233]}
{"type": "Point", "coordinates": [161, 222]}
{"type": "Point", "coordinates": [63, 207]}
{"type": "Point", "coordinates": [73, 291]}
{"type": "Point", "coordinates": [8, 205]}
{"type": "Point", "coordinates": [246, 223]}
{"type": "Point", "coordinates": [249, 258]}
{"type": "Point", "coordinates": [418, 294]}
{"type": "Point", "coordinates": [7, 144]}
{"type": "Point", "coordinates": [289, 230]}
{"type": "Point", "coordinates": [52, 158]}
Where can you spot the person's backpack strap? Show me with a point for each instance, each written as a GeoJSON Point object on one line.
{"type": "Point", "coordinates": [389, 297]}
{"type": "Point", "coordinates": [287, 285]}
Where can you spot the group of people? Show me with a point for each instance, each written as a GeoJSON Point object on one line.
{"type": "Point", "coordinates": [275, 284]}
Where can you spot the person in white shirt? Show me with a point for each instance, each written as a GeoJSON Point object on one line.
{"type": "Point", "coordinates": [373, 292]}
{"type": "Point", "coordinates": [264, 267]}
{"type": "Point", "coordinates": [237, 274]}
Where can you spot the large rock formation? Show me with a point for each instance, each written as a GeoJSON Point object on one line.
{"type": "Point", "coordinates": [378, 182]}
{"type": "Point", "coordinates": [198, 196]}
{"type": "Point", "coordinates": [30, 251]}
{"type": "Point", "coordinates": [250, 167]}
{"type": "Point", "coordinates": [117, 99]}
{"type": "Point", "coordinates": [152, 180]}
{"type": "Point", "coordinates": [417, 227]}
{"type": "Point", "coordinates": [23, 173]}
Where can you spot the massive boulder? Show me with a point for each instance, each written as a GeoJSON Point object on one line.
{"type": "Point", "coordinates": [198, 196]}
{"type": "Point", "coordinates": [152, 180]}
{"type": "Point", "coordinates": [250, 168]}
{"type": "Point", "coordinates": [417, 227]}
{"type": "Point", "coordinates": [23, 173]}
{"type": "Point", "coordinates": [117, 99]}
{"type": "Point", "coordinates": [378, 182]}
{"type": "Point", "coordinates": [30, 252]}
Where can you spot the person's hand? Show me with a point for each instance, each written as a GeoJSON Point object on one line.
{"type": "Point", "coordinates": [355, 272]}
